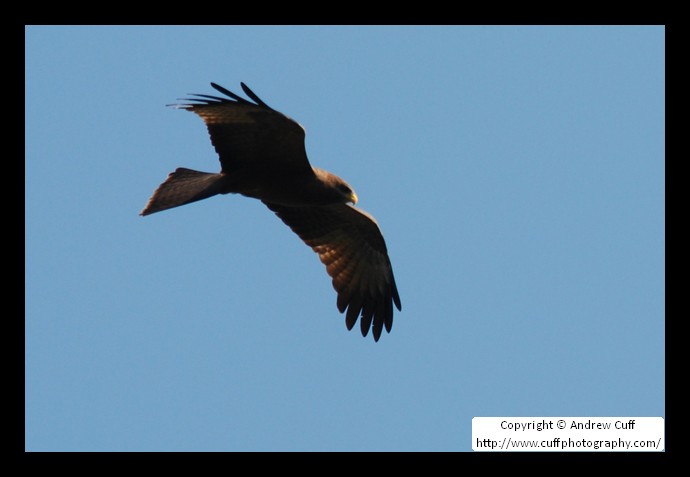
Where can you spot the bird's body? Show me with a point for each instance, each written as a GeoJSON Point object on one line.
{"type": "Point", "coordinates": [262, 156]}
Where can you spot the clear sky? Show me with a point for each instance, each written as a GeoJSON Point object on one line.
{"type": "Point", "coordinates": [517, 174]}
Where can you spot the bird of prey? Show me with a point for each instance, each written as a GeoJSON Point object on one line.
{"type": "Point", "coordinates": [262, 155]}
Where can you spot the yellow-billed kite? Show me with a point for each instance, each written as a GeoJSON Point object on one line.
{"type": "Point", "coordinates": [262, 155]}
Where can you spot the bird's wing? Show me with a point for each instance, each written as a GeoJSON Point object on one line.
{"type": "Point", "coordinates": [250, 135]}
{"type": "Point", "coordinates": [349, 242]}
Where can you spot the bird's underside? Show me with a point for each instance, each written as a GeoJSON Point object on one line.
{"type": "Point", "coordinates": [262, 156]}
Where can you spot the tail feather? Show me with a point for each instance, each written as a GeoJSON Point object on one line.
{"type": "Point", "coordinates": [182, 187]}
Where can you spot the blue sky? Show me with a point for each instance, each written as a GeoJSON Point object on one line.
{"type": "Point", "coordinates": [517, 174]}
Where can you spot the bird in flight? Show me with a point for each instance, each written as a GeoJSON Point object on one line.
{"type": "Point", "coordinates": [263, 156]}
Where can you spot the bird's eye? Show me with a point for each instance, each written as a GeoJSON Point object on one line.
{"type": "Point", "coordinates": [344, 189]}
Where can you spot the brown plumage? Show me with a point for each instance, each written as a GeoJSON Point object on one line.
{"type": "Point", "coordinates": [262, 155]}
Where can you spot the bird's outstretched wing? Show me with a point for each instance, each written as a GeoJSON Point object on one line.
{"type": "Point", "coordinates": [349, 242]}
{"type": "Point", "coordinates": [250, 136]}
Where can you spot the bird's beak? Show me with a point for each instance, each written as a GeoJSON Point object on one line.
{"type": "Point", "coordinates": [353, 198]}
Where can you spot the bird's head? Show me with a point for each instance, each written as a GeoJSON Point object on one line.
{"type": "Point", "coordinates": [339, 190]}
{"type": "Point", "coordinates": [347, 193]}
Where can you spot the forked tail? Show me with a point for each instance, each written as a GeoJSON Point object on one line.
{"type": "Point", "coordinates": [182, 187]}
